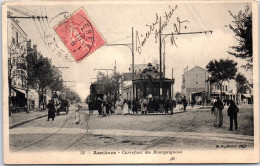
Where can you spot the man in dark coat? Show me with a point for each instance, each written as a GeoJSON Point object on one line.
{"type": "Point", "coordinates": [108, 107]}
{"type": "Point", "coordinates": [166, 105]}
{"type": "Point", "coordinates": [184, 103]}
{"type": "Point", "coordinates": [51, 110]}
{"type": "Point", "coordinates": [232, 113]}
{"type": "Point", "coordinates": [99, 106]}
{"type": "Point", "coordinates": [134, 106]}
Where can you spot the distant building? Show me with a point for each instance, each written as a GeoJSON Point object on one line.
{"type": "Point", "coordinates": [247, 96]}
{"type": "Point", "coordinates": [17, 73]}
{"type": "Point", "coordinates": [198, 89]}
{"type": "Point", "coordinates": [194, 81]}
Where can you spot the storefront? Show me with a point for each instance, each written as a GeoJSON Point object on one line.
{"type": "Point", "coordinates": [18, 99]}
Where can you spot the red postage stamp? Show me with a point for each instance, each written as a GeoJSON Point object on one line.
{"type": "Point", "coordinates": [79, 35]}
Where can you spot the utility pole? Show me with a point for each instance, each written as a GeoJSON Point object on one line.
{"type": "Point", "coordinates": [131, 47]}
{"type": "Point", "coordinates": [172, 86]}
{"type": "Point", "coordinates": [160, 47]}
{"type": "Point", "coordinates": [133, 61]}
{"type": "Point", "coordinates": [160, 52]}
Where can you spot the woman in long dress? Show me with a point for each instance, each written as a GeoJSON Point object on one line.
{"type": "Point", "coordinates": [118, 107]}
{"type": "Point", "coordinates": [77, 116]}
{"type": "Point", "coordinates": [217, 110]}
{"type": "Point", "coordinates": [125, 108]}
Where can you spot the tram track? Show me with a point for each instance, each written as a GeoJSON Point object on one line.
{"type": "Point", "coordinates": [158, 127]}
{"type": "Point", "coordinates": [48, 136]}
{"type": "Point", "coordinates": [87, 129]}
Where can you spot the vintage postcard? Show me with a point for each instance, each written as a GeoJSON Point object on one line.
{"type": "Point", "coordinates": [130, 82]}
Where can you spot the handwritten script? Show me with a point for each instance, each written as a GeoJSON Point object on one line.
{"type": "Point", "coordinates": [153, 28]}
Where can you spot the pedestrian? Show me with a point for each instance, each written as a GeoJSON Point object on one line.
{"type": "Point", "coordinates": [217, 110]}
{"type": "Point", "coordinates": [108, 107]}
{"type": "Point", "coordinates": [145, 104]}
{"type": "Point", "coordinates": [99, 106]}
{"type": "Point", "coordinates": [184, 103]}
{"type": "Point", "coordinates": [125, 107]}
{"type": "Point", "coordinates": [134, 106]}
{"type": "Point", "coordinates": [171, 106]}
{"type": "Point", "coordinates": [142, 105]}
{"type": "Point", "coordinates": [157, 105]}
{"type": "Point", "coordinates": [51, 110]}
{"type": "Point", "coordinates": [232, 113]}
{"type": "Point", "coordinates": [104, 105]}
{"type": "Point", "coordinates": [118, 107]}
{"type": "Point", "coordinates": [77, 115]}
{"type": "Point", "coordinates": [129, 105]}
{"type": "Point", "coordinates": [166, 106]}
{"type": "Point", "coordinates": [90, 106]}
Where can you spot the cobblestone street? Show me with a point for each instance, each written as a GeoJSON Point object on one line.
{"type": "Point", "coordinates": [182, 130]}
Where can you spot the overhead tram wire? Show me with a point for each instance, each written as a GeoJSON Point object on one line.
{"type": "Point", "coordinates": [193, 17]}
{"type": "Point", "coordinates": [207, 28]}
{"type": "Point", "coordinates": [28, 10]}
{"type": "Point", "coordinates": [46, 45]}
{"type": "Point", "coordinates": [35, 17]}
{"type": "Point", "coordinates": [38, 17]}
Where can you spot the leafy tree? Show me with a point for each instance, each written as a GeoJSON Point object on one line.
{"type": "Point", "coordinates": [222, 70]}
{"type": "Point", "coordinates": [110, 84]}
{"type": "Point", "coordinates": [71, 95]}
{"type": "Point", "coordinates": [42, 75]}
{"type": "Point", "coordinates": [241, 82]}
{"type": "Point", "coordinates": [242, 27]}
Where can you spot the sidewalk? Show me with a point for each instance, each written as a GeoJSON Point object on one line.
{"type": "Point", "coordinates": [20, 118]}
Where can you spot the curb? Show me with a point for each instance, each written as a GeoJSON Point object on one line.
{"type": "Point", "coordinates": [26, 121]}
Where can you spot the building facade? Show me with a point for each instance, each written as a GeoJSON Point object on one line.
{"type": "Point", "coordinates": [17, 73]}
{"type": "Point", "coordinates": [199, 90]}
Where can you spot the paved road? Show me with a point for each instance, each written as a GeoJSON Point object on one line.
{"type": "Point", "coordinates": [183, 130]}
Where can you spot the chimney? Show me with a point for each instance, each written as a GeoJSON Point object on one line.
{"type": "Point", "coordinates": [29, 44]}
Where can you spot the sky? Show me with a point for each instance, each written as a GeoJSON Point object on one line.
{"type": "Point", "coordinates": [115, 22]}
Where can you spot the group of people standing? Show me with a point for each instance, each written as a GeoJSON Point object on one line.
{"type": "Point", "coordinates": [217, 108]}
{"type": "Point", "coordinates": [106, 107]}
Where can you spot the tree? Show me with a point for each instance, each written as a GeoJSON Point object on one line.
{"type": "Point", "coordinates": [71, 95]}
{"type": "Point", "coordinates": [110, 84]}
{"type": "Point", "coordinates": [222, 70]}
{"type": "Point", "coordinates": [241, 82]}
{"type": "Point", "coordinates": [242, 27]}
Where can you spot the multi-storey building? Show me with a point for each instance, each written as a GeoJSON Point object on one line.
{"type": "Point", "coordinates": [198, 89]}
{"type": "Point", "coordinates": [17, 73]}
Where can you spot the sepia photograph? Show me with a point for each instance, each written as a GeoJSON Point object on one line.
{"type": "Point", "coordinates": [118, 82]}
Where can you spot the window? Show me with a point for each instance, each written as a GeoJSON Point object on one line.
{"type": "Point", "coordinates": [17, 36]}
{"type": "Point", "coordinates": [226, 87]}
{"type": "Point", "coordinates": [13, 40]}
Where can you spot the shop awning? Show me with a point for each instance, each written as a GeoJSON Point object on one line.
{"type": "Point", "coordinates": [247, 95]}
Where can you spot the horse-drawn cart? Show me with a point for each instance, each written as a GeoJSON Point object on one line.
{"type": "Point", "coordinates": [63, 106]}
